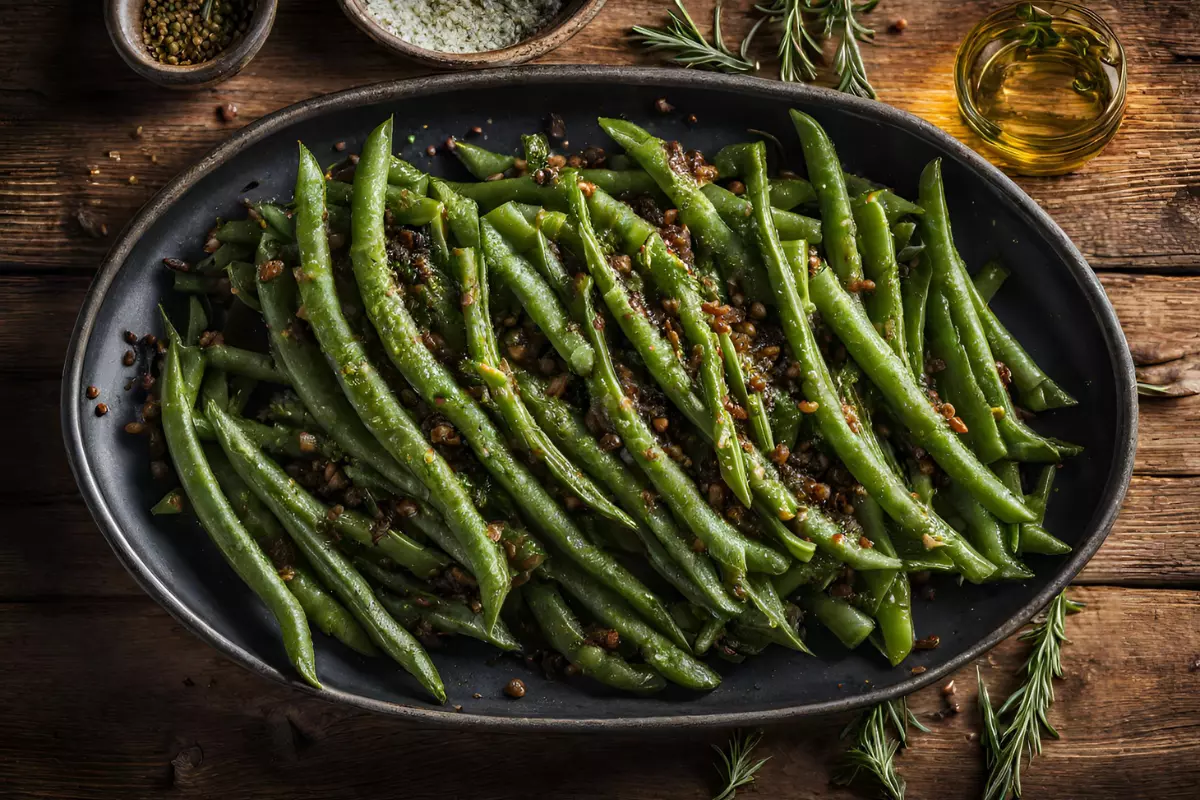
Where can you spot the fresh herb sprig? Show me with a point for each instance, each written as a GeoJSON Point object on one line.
{"type": "Point", "coordinates": [797, 45]}
{"type": "Point", "coordinates": [1027, 708]}
{"type": "Point", "coordinates": [837, 16]}
{"type": "Point", "coordinates": [798, 49]}
{"type": "Point", "coordinates": [874, 750]}
{"type": "Point", "coordinates": [735, 766]}
{"type": "Point", "coordinates": [683, 38]}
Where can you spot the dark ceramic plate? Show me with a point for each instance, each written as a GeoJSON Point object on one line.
{"type": "Point", "coordinates": [1053, 303]}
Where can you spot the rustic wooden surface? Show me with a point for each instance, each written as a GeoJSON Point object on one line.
{"type": "Point", "coordinates": [104, 695]}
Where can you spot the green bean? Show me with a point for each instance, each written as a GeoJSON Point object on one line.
{"type": "Point", "coordinates": [911, 406]}
{"type": "Point", "coordinates": [674, 664]}
{"type": "Point", "coordinates": [1010, 473]}
{"type": "Point", "coordinates": [1033, 537]}
{"type": "Point", "coordinates": [760, 423]}
{"type": "Point", "coordinates": [433, 293]}
{"type": "Point", "coordinates": [722, 541]}
{"type": "Point", "coordinates": [295, 510]}
{"type": "Point", "coordinates": [819, 573]}
{"type": "Point", "coordinates": [408, 207]}
{"type": "Point", "coordinates": [707, 636]}
{"type": "Point", "coordinates": [770, 607]}
{"type": "Point", "coordinates": [277, 439]}
{"type": "Point", "coordinates": [220, 521]}
{"type": "Point", "coordinates": [406, 176]}
{"type": "Point", "coordinates": [221, 258]}
{"type": "Point", "coordinates": [437, 386]}
{"type": "Point", "coordinates": [787, 193]}
{"type": "Point", "coordinates": [818, 386]}
{"type": "Point", "coordinates": [472, 277]}
{"type": "Point", "coordinates": [242, 231]}
{"type": "Point", "coordinates": [837, 218]}
{"type": "Point", "coordinates": [316, 384]}
{"type": "Point", "coordinates": [197, 321]}
{"type": "Point", "coordinates": [658, 355]}
{"type": "Point", "coordinates": [914, 291]}
{"type": "Point", "coordinates": [214, 388]}
{"type": "Point", "coordinates": [672, 278]}
{"type": "Point", "coordinates": [353, 525]}
{"type": "Point", "coordinates": [786, 421]}
{"type": "Point", "coordinates": [565, 635]}
{"type": "Point", "coordinates": [170, 504]}
{"type": "Point", "coordinates": [481, 163]}
{"type": "Point", "coordinates": [557, 419]}
{"type": "Point", "coordinates": [695, 210]}
{"type": "Point", "coordinates": [321, 607]}
{"type": "Point", "coordinates": [987, 535]}
{"type": "Point", "coordinates": [195, 283]}
{"type": "Point", "coordinates": [621, 182]}
{"type": "Point", "coordinates": [413, 604]}
{"type": "Point", "coordinates": [241, 283]}
{"type": "Point", "coordinates": [536, 298]}
{"type": "Point", "coordinates": [245, 362]}
{"type": "Point", "coordinates": [1036, 539]}
{"type": "Point", "coordinates": [1036, 390]}
{"type": "Point", "coordinates": [736, 213]}
{"type": "Point", "coordinates": [894, 616]}
{"type": "Point", "coordinates": [277, 220]}
{"type": "Point", "coordinates": [956, 382]}
{"type": "Point", "coordinates": [843, 620]}
{"type": "Point", "coordinates": [665, 368]}
{"type": "Point", "coordinates": [241, 389]}
{"type": "Point", "coordinates": [870, 516]}
{"type": "Point", "coordinates": [884, 305]}
{"type": "Point", "coordinates": [1023, 444]}
{"type": "Point", "coordinates": [362, 383]}
{"type": "Point", "coordinates": [989, 279]}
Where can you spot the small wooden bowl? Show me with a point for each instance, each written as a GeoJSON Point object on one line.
{"type": "Point", "coordinates": [573, 16]}
{"type": "Point", "coordinates": [124, 21]}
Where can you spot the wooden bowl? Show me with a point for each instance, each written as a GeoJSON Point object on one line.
{"type": "Point", "coordinates": [124, 21]}
{"type": "Point", "coordinates": [573, 16]}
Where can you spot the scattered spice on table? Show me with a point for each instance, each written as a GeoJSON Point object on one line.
{"type": "Point", "coordinates": [187, 32]}
{"type": "Point", "coordinates": [463, 26]}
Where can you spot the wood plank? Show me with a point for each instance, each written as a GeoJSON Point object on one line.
{"type": "Point", "coordinates": [1137, 206]}
{"type": "Point", "coordinates": [160, 710]}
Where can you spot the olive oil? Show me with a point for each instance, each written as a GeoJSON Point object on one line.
{"type": "Point", "coordinates": [1043, 84]}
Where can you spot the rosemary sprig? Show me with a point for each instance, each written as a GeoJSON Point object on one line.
{"type": "Point", "coordinates": [874, 749]}
{"type": "Point", "coordinates": [847, 61]}
{"type": "Point", "coordinates": [1028, 706]}
{"type": "Point", "coordinates": [735, 766]}
{"type": "Point", "coordinates": [690, 48]}
{"type": "Point", "coordinates": [797, 46]}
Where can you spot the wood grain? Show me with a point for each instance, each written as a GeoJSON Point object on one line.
{"type": "Point", "coordinates": [178, 718]}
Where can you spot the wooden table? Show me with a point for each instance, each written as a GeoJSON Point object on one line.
{"type": "Point", "coordinates": [104, 695]}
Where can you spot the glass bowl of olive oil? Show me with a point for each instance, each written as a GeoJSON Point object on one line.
{"type": "Point", "coordinates": [1043, 84]}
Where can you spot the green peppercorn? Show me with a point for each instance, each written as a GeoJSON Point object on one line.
{"type": "Point", "coordinates": [193, 31]}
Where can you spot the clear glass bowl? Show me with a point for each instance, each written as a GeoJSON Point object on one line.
{"type": "Point", "coordinates": [1043, 84]}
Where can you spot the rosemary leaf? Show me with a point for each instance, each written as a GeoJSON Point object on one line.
{"type": "Point", "coordinates": [872, 756]}
{"type": "Point", "coordinates": [1028, 707]}
{"type": "Point", "coordinates": [689, 47]}
{"type": "Point", "coordinates": [735, 767]}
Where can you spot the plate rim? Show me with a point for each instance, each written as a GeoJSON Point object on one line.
{"type": "Point", "coordinates": [71, 413]}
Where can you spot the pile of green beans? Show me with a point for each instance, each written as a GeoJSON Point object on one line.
{"type": "Point", "coordinates": [632, 417]}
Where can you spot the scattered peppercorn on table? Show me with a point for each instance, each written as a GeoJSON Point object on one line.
{"type": "Point", "coordinates": [80, 633]}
